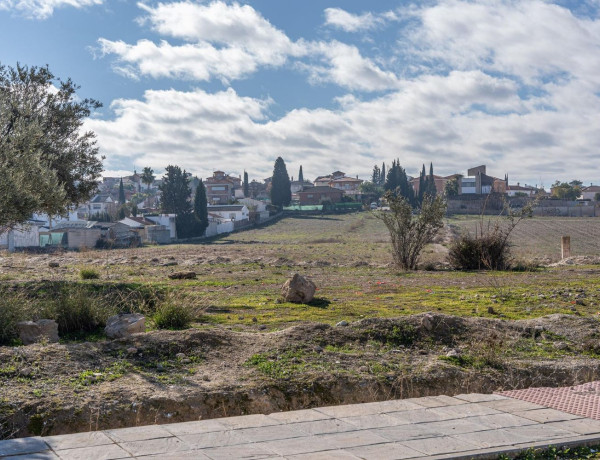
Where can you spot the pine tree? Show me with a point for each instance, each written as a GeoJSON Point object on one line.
{"type": "Point", "coordinates": [201, 208]}
{"type": "Point", "coordinates": [121, 192]}
{"type": "Point", "coordinates": [281, 192]}
{"type": "Point", "coordinates": [375, 177]}
{"type": "Point", "coordinates": [246, 185]}
{"type": "Point", "coordinates": [300, 176]}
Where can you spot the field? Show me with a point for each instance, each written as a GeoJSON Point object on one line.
{"type": "Point", "coordinates": [247, 351]}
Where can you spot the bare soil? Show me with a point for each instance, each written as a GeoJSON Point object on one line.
{"type": "Point", "coordinates": [65, 388]}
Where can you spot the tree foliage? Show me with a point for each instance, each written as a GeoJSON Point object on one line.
{"type": "Point", "coordinates": [567, 191]}
{"type": "Point", "coordinates": [121, 192]}
{"type": "Point", "coordinates": [451, 188]}
{"type": "Point", "coordinates": [246, 185]}
{"type": "Point", "coordinates": [411, 232]}
{"type": "Point", "coordinates": [175, 191]}
{"type": "Point", "coordinates": [397, 182]}
{"type": "Point", "coordinates": [46, 162]}
{"type": "Point", "coordinates": [281, 192]}
{"type": "Point", "coordinates": [201, 208]}
{"type": "Point", "coordinates": [300, 175]}
{"type": "Point", "coordinates": [147, 176]}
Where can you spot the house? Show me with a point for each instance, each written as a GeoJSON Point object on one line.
{"type": "Point", "coordinates": [220, 188]}
{"type": "Point", "coordinates": [258, 190]}
{"type": "Point", "coordinates": [100, 204]}
{"type": "Point", "coordinates": [257, 209]}
{"type": "Point", "coordinates": [319, 195]}
{"type": "Point", "coordinates": [520, 190]}
{"type": "Point", "coordinates": [77, 234]}
{"type": "Point", "coordinates": [440, 183]}
{"type": "Point", "coordinates": [348, 185]}
{"type": "Point", "coordinates": [590, 192]}
{"type": "Point", "coordinates": [323, 181]}
{"type": "Point", "coordinates": [23, 236]}
{"type": "Point", "coordinates": [478, 182]}
{"type": "Point", "coordinates": [232, 212]}
{"type": "Point", "coordinates": [166, 220]}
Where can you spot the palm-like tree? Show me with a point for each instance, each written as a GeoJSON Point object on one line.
{"type": "Point", "coordinates": [148, 176]}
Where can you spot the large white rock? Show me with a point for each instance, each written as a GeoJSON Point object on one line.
{"type": "Point", "coordinates": [298, 289]}
{"type": "Point", "coordinates": [124, 325]}
{"type": "Point", "coordinates": [36, 331]}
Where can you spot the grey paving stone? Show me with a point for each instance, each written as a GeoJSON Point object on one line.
{"type": "Point", "coordinates": [327, 455]}
{"type": "Point", "coordinates": [106, 452]}
{"type": "Point", "coordinates": [501, 420]}
{"type": "Point", "coordinates": [155, 446]}
{"type": "Point", "coordinates": [420, 416]}
{"type": "Point", "coordinates": [70, 441]}
{"type": "Point", "coordinates": [247, 421]}
{"type": "Point", "coordinates": [251, 451]}
{"type": "Point", "coordinates": [353, 410]}
{"type": "Point", "coordinates": [201, 426]}
{"type": "Point", "coordinates": [539, 432]}
{"type": "Point", "coordinates": [406, 432]}
{"type": "Point", "coordinates": [352, 439]}
{"type": "Point", "coordinates": [214, 439]}
{"type": "Point", "coordinates": [579, 426]}
{"type": "Point", "coordinates": [511, 405]}
{"type": "Point", "coordinates": [295, 446]}
{"type": "Point", "coordinates": [441, 445]}
{"type": "Point", "coordinates": [138, 433]}
{"type": "Point", "coordinates": [271, 433]}
{"type": "Point", "coordinates": [190, 454]}
{"type": "Point", "coordinates": [324, 426]}
{"type": "Point", "coordinates": [452, 427]}
{"type": "Point", "coordinates": [491, 438]}
{"type": "Point", "coordinates": [22, 446]}
{"type": "Point", "coordinates": [48, 455]}
{"type": "Point", "coordinates": [479, 397]}
{"type": "Point", "coordinates": [396, 405]}
{"type": "Point", "coordinates": [307, 415]}
{"type": "Point", "coordinates": [546, 415]}
{"type": "Point", "coordinates": [391, 451]}
{"type": "Point", "coordinates": [467, 410]}
{"type": "Point", "coordinates": [365, 422]}
{"type": "Point", "coordinates": [437, 401]}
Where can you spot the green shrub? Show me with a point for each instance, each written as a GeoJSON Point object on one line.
{"type": "Point", "coordinates": [12, 310]}
{"type": "Point", "coordinates": [487, 252]}
{"type": "Point", "coordinates": [170, 315]}
{"type": "Point", "coordinates": [89, 274]}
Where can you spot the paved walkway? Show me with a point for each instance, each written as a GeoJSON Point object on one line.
{"type": "Point", "coordinates": [463, 426]}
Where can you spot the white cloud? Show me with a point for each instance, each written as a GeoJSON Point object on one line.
{"type": "Point", "coordinates": [42, 9]}
{"type": "Point", "coordinates": [348, 22]}
{"type": "Point", "coordinates": [232, 41]}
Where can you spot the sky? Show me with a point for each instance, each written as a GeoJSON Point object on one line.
{"type": "Point", "coordinates": [329, 85]}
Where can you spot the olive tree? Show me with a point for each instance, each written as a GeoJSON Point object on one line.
{"type": "Point", "coordinates": [46, 162]}
{"type": "Point", "coordinates": [411, 231]}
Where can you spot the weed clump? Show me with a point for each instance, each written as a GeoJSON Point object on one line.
{"type": "Point", "coordinates": [88, 274]}
{"type": "Point", "coordinates": [170, 315]}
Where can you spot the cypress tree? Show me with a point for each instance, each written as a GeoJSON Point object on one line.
{"type": "Point", "coordinates": [246, 186]}
{"type": "Point", "coordinates": [175, 191]}
{"type": "Point", "coordinates": [382, 177]}
{"type": "Point", "coordinates": [375, 177]}
{"type": "Point", "coordinates": [281, 192]}
{"type": "Point", "coordinates": [121, 192]}
{"type": "Point", "coordinates": [201, 208]}
{"type": "Point", "coordinates": [300, 175]}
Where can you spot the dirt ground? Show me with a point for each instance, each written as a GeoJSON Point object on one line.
{"type": "Point", "coordinates": [407, 334]}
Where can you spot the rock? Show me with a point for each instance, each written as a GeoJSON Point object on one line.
{"type": "Point", "coordinates": [560, 345]}
{"type": "Point", "coordinates": [53, 264]}
{"type": "Point", "coordinates": [491, 311]}
{"type": "Point", "coordinates": [124, 325]}
{"type": "Point", "coordinates": [36, 331]}
{"type": "Point", "coordinates": [427, 322]}
{"type": "Point", "coordinates": [298, 289]}
{"type": "Point", "coordinates": [169, 264]}
{"type": "Point", "coordinates": [262, 327]}
{"type": "Point", "coordinates": [318, 349]}
{"type": "Point", "coordinates": [453, 354]}
{"type": "Point", "coordinates": [342, 324]}
{"type": "Point", "coordinates": [183, 276]}
{"type": "Point", "coordinates": [180, 355]}
{"type": "Point", "coordinates": [132, 351]}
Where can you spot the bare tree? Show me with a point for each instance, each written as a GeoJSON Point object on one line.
{"type": "Point", "coordinates": [411, 231]}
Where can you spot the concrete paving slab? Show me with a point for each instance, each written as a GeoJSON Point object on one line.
{"type": "Point", "coordinates": [187, 455]}
{"type": "Point", "coordinates": [324, 426]}
{"type": "Point", "coordinates": [138, 433]}
{"type": "Point", "coordinates": [365, 422]}
{"type": "Point", "coordinates": [390, 451]}
{"type": "Point", "coordinates": [511, 405]}
{"type": "Point", "coordinates": [353, 439]}
{"type": "Point", "coordinates": [440, 445]}
{"type": "Point", "coordinates": [248, 421]}
{"type": "Point", "coordinates": [296, 446]}
{"type": "Point", "coordinates": [437, 401]}
{"type": "Point", "coordinates": [406, 432]}
{"type": "Point", "coordinates": [201, 426]}
{"type": "Point", "coordinates": [22, 446]}
{"type": "Point", "coordinates": [330, 454]}
{"type": "Point", "coordinates": [71, 441]}
{"type": "Point", "coordinates": [467, 410]}
{"type": "Point", "coordinates": [546, 415]}
{"type": "Point", "coordinates": [421, 416]}
{"type": "Point", "coordinates": [306, 415]}
{"type": "Point", "coordinates": [272, 433]}
{"type": "Point", "coordinates": [579, 426]}
{"type": "Point", "coordinates": [107, 452]}
{"type": "Point", "coordinates": [501, 420]}
{"type": "Point", "coordinates": [155, 446]}
{"type": "Point", "coordinates": [478, 397]}
{"type": "Point", "coordinates": [48, 455]}
{"type": "Point", "coordinates": [214, 439]}
{"type": "Point", "coordinates": [248, 452]}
